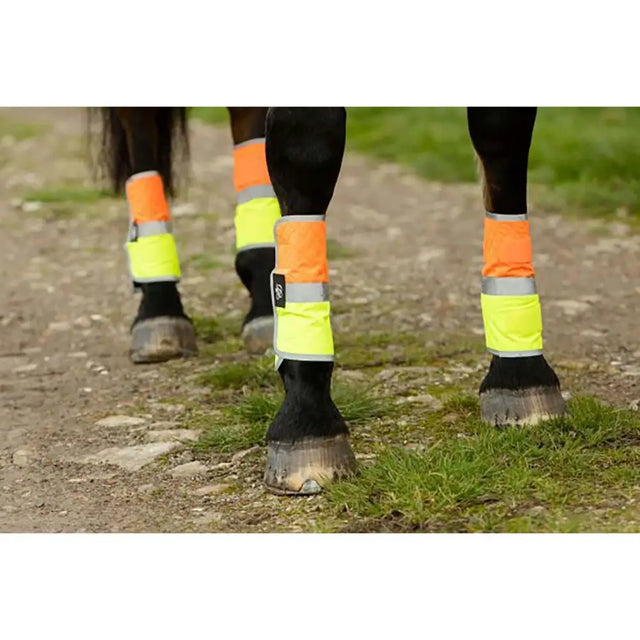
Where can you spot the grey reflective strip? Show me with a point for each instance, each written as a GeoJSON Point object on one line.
{"type": "Point", "coordinates": [155, 228]}
{"type": "Point", "coordinates": [307, 292]}
{"type": "Point", "coordinates": [283, 355]}
{"type": "Point", "coordinates": [310, 218]}
{"type": "Point", "coordinates": [509, 286]}
{"type": "Point", "coordinates": [247, 143]}
{"type": "Point", "coordinates": [516, 354]}
{"type": "Point", "coordinates": [157, 279]}
{"type": "Point", "coordinates": [507, 218]}
{"type": "Point", "coordinates": [146, 229]}
{"type": "Point", "coordinates": [142, 174]}
{"type": "Point", "coordinates": [259, 191]}
{"type": "Point", "coordinates": [258, 245]}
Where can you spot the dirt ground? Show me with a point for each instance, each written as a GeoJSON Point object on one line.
{"type": "Point", "coordinates": [66, 305]}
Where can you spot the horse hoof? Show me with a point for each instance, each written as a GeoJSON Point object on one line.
{"type": "Point", "coordinates": [161, 339]}
{"type": "Point", "coordinates": [257, 335]}
{"type": "Point", "coordinates": [305, 467]}
{"type": "Point", "coordinates": [511, 407]}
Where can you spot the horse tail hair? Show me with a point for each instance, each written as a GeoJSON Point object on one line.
{"type": "Point", "coordinates": [112, 159]}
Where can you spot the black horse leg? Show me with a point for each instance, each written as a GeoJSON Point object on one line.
{"type": "Point", "coordinates": [520, 387]}
{"type": "Point", "coordinates": [308, 440]}
{"type": "Point", "coordinates": [256, 212]}
{"type": "Point", "coordinates": [161, 329]}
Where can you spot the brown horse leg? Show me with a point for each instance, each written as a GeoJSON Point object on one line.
{"type": "Point", "coordinates": [256, 212]}
{"type": "Point", "coordinates": [161, 330]}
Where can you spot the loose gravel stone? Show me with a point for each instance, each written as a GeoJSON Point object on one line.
{"type": "Point", "coordinates": [120, 421]}
{"type": "Point", "coordinates": [189, 470]}
{"type": "Point", "coordinates": [130, 458]}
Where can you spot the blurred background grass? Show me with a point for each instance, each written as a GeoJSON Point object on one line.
{"type": "Point", "coordinates": [583, 160]}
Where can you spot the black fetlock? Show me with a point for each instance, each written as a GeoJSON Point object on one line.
{"type": "Point", "coordinates": [308, 439]}
{"type": "Point", "coordinates": [254, 267]}
{"type": "Point", "coordinates": [520, 391]}
{"type": "Point", "coordinates": [159, 299]}
{"type": "Point", "coordinates": [161, 330]}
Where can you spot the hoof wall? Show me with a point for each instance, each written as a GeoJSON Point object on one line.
{"type": "Point", "coordinates": [257, 335]}
{"type": "Point", "coordinates": [161, 339]}
{"type": "Point", "coordinates": [303, 468]}
{"type": "Point", "coordinates": [507, 407]}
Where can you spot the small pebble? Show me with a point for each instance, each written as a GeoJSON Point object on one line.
{"type": "Point", "coordinates": [22, 457]}
{"type": "Point", "coordinates": [236, 457]}
{"type": "Point", "coordinates": [31, 207]}
{"type": "Point", "coordinates": [189, 470]}
{"type": "Point", "coordinates": [211, 489]}
{"type": "Point", "coordinates": [120, 421]}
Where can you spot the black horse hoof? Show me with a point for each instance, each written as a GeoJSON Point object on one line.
{"type": "Point", "coordinates": [508, 407]}
{"type": "Point", "coordinates": [257, 335]}
{"type": "Point", "coordinates": [306, 466]}
{"type": "Point", "coordinates": [161, 339]}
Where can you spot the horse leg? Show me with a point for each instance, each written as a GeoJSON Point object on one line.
{"type": "Point", "coordinates": [256, 212]}
{"type": "Point", "coordinates": [161, 330]}
{"type": "Point", "coordinates": [308, 441]}
{"type": "Point", "coordinates": [520, 387]}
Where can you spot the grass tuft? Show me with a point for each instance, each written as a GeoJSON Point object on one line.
{"type": "Point", "coordinates": [228, 435]}
{"type": "Point", "coordinates": [541, 478]}
{"type": "Point", "coordinates": [22, 130]}
{"type": "Point", "coordinates": [251, 412]}
{"type": "Point", "coordinates": [337, 251]}
{"type": "Point", "coordinates": [259, 373]}
{"type": "Point", "coordinates": [203, 262]}
{"type": "Point", "coordinates": [212, 330]}
{"type": "Point", "coordinates": [67, 194]}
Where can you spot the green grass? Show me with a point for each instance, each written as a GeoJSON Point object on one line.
{"type": "Point", "coordinates": [246, 420]}
{"type": "Point", "coordinates": [587, 159]}
{"type": "Point", "coordinates": [68, 194]}
{"type": "Point", "coordinates": [236, 375]}
{"type": "Point", "coordinates": [218, 329]}
{"type": "Point", "coordinates": [252, 394]}
{"type": "Point", "coordinates": [433, 142]}
{"type": "Point", "coordinates": [337, 251]}
{"type": "Point", "coordinates": [228, 436]}
{"type": "Point", "coordinates": [583, 160]}
{"type": "Point", "coordinates": [436, 467]}
{"type": "Point", "coordinates": [202, 262]}
{"type": "Point", "coordinates": [384, 349]}
{"type": "Point", "coordinates": [21, 130]}
{"type": "Point", "coordinates": [555, 477]}
{"type": "Point", "coordinates": [211, 115]}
